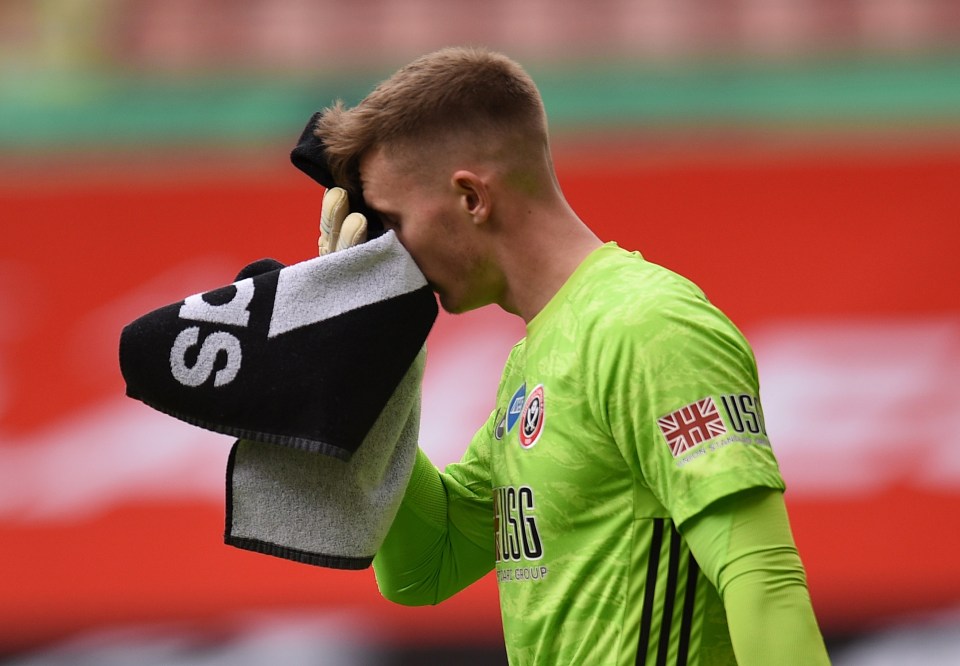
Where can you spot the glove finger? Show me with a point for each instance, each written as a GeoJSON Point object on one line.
{"type": "Point", "coordinates": [335, 207]}
{"type": "Point", "coordinates": [353, 231]}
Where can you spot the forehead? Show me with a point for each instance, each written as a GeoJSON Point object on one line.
{"type": "Point", "coordinates": [380, 178]}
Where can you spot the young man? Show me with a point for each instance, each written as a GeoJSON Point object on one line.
{"type": "Point", "coordinates": [623, 487]}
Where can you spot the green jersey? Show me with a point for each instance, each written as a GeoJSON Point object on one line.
{"type": "Point", "coordinates": [630, 407]}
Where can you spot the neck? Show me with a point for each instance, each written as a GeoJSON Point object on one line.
{"type": "Point", "coordinates": [539, 253]}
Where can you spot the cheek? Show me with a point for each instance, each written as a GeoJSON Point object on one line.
{"type": "Point", "coordinates": [418, 248]}
{"type": "Point", "coordinates": [423, 242]}
{"type": "Point", "coordinates": [434, 246]}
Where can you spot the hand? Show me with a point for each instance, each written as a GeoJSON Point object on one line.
{"type": "Point", "coordinates": [339, 228]}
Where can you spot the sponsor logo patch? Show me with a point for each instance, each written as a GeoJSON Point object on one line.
{"type": "Point", "coordinates": [691, 425]}
{"type": "Point", "coordinates": [744, 413]}
{"type": "Point", "coordinates": [515, 408]}
{"type": "Point", "coordinates": [534, 413]}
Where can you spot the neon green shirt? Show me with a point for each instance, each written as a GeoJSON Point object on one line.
{"type": "Point", "coordinates": [631, 405]}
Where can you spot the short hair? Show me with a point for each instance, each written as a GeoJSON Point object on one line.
{"type": "Point", "coordinates": [451, 92]}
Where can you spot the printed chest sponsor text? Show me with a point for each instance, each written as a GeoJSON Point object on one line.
{"type": "Point", "coordinates": [517, 535]}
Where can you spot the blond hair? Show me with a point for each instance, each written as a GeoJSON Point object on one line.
{"type": "Point", "coordinates": [456, 91]}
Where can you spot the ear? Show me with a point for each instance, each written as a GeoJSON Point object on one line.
{"type": "Point", "coordinates": [473, 193]}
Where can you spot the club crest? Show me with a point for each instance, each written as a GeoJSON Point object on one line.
{"type": "Point", "coordinates": [533, 416]}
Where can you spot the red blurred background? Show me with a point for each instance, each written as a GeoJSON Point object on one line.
{"type": "Point", "coordinates": [832, 245]}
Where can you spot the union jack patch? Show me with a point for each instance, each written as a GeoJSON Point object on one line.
{"type": "Point", "coordinates": [691, 425]}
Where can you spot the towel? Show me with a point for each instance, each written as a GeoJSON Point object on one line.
{"type": "Point", "coordinates": [322, 511]}
{"type": "Point", "coordinates": [309, 156]}
{"type": "Point", "coordinates": [316, 368]}
{"type": "Point", "coordinates": [304, 356]}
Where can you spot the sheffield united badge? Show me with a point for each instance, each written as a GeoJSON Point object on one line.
{"type": "Point", "coordinates": [531, 424]}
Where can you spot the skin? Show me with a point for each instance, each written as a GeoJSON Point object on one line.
{"type": "Point", "coordinates": [485, 221]}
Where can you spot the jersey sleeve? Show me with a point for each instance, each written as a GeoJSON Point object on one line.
{"type": "Point", "coordinates": [442, 538]}
{"type": "Point", "coordinates": [744, 545]}
{"type": "Point", "coordinates": [677, 386]}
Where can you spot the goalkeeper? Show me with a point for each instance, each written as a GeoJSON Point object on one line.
{"type": "Point", "coordinates": [623, 486]}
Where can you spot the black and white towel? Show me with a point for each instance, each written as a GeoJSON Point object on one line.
{"type": "Point", "coordinates": [316, 368]}
{"type": "Point", "coordinates": [323, 511]}
{"type": "Point", "coordinates": [309, 155]}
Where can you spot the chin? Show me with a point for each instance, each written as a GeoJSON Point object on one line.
{"type": "Point", "coordinates": [454, 306]}
{"type": "Point", "coordinates": [451, 306]}
{"type": "Point", "coordinates": [448, 303]}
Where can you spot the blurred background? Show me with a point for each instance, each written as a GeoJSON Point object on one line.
{"type": "Point", "coordinates": [799, 159]}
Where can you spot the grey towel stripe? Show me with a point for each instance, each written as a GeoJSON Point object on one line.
{"type": "Point", "coordinates": [313, 290]}
{"type": "Point", "coordinates": [319, 510]}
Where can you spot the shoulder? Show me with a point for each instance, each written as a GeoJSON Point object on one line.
{"type": "Point", "coordinates": [622, 291]}
{"type": "Point", "coordinates": [636, 310]}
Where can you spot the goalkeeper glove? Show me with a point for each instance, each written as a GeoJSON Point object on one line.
{"type": "Point", "coordinates": [339, 228]}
